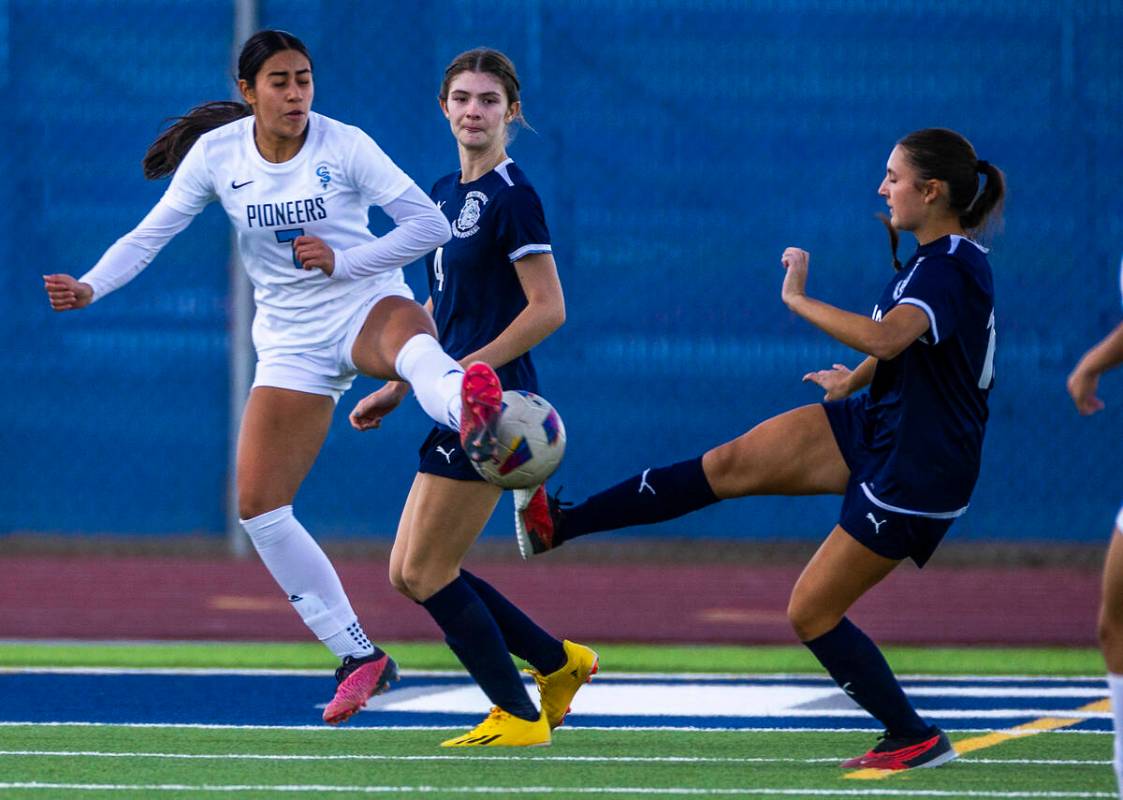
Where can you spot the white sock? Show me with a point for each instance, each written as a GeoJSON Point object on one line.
{"type": "Point", "coordinates": [306, 575]}
{"type": "Point", "coordinates": [1115, 684]}
{"type": "Point", "coordinates": [351, 641]}
{"type": "Point", "coordinates": [435, 377]}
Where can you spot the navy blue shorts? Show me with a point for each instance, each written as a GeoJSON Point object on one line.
{"type": "Point", "coordinates": [889, 533]}
{"type": "Point", "coordinates": [441, 454]}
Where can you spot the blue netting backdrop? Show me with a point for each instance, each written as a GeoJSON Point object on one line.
{"type": "Point", "coordinates": [678, 148]}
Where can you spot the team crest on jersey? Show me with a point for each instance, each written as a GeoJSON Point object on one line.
{"type": "Point", "coordinates": [467, 222]}
{"type": "Point", "coordinates": [899, 289]}
{"type": "Point", "coordinates": [324, 174]}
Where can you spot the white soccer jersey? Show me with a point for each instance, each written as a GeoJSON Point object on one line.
{"type": "Point", "coordinates": [325, 191]}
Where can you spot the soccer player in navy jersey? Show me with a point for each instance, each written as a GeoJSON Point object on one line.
{"type": "Point", "coordinates": [905, 456]}
{"type": "Point", "coordinates": [494, 293]}
{"type": "Point", "coordinates": [1082, 385]}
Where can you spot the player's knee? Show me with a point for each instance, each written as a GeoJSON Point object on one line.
{"type": "Point", "coordinates": [399, 583]}
{"type": "Point", "coordinates": [808, 620]}
{"type": "Point", "coordinates": [253, 504]}
{"type": "Point", "coordinates": [1110, 631]}
{"type": "Point", "coordinates": [729, 473]}
{"type": "Point", "coordinates": [270, 525]}
{"type": "Point", "coordinates": [420, 581]}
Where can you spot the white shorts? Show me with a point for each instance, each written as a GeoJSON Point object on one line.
{"type": "Point", "coordinates": [1119, 520]}
{"type": "Point", "coordinates": [329, 370]}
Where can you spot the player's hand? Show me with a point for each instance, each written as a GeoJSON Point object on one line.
{"type": "Point", "coordinates": [1082, 386]}
{"type": "Point", "coordinates": [835, 380]}
{"type": "Point", "coordinates": [313, 253]}
{"type": "Point", "coordinates": [795, 262]}
{"type": "Point", "coordinates": [369, 411]}
{"type": "Point", "coordinates": [66, 293]}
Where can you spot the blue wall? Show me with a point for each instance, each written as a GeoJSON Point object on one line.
{"type": "Point", "coordinates": [678, 147]}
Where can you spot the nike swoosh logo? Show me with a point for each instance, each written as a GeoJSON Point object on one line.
{"type": "Point", "coordinates": [234, 185]}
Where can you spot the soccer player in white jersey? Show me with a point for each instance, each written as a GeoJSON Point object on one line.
{"type": "Point", "coordinates": [1082, 385]}
{"type": "Point", "coordinates": [495, 293]}
{"type": "Point", "coordinates": [331, 303]}
{"type": "Point", "coordinates": [905, 456]}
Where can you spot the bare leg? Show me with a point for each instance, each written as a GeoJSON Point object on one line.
{"type": "Point", "coordinates": [390, 324]}
{"type": "Point", "coordinates": [282, 432]}
{"type": "Point", "coordinates": [441, 520]}
{"type": "Point", "coordinates": [793, 453]}
{"type": "Point", "coordinates": [439, 523]}
{"type": "Point", "coordinates": [398, 341]}
{"type": "Point", "coordinates": [841, 571]}
{"type": "Point", "coordinates": [1111, 639]}
{"type": "Point", "coordinates": [1111, 606]}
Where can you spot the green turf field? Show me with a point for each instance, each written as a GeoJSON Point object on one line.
{"type": "Point", "coordinates": [121, 761]}
{"type": "Point", "coordinates": [619, 657]}
{"type": "Point", "coordinates": [579, 764]}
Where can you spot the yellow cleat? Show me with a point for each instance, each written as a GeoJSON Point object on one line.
{"type": "Point", "coordinates": [558, 688]}
{"type": "Point", "coordinates": [501, 729]}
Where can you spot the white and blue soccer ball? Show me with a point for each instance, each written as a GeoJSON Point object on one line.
{"type": "Point", "coordinates": [531, 442]}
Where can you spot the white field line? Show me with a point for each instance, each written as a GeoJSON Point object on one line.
{"type": "Point", "coordinates": [939, 713]}
{"type": "Point", "coordinates": [1099, 681]}
{"type": "Point", "coordinates": [543, 790]}
{"type": "Point", "coordinates": [371, 730]}
{"type": "Point", "coordinates": [528, 758]}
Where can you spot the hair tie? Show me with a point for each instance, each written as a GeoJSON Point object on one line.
{"type": "Point", "coordinates": [981, 166]}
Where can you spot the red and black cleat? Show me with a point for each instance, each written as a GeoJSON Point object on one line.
{"type": "Point", "coordinates": [536, 521]}
{"type": "Point", "coordinates": [930, 750]}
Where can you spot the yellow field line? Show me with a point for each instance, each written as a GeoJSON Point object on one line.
{"type": "Point", "coordinates": [991, 739]}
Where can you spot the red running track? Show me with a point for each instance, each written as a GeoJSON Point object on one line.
{"type": "Point", "coordinates": [157, 597]}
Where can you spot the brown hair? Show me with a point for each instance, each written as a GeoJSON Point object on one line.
{"type": "Point", "coordinates": [491, 62]}
{"type": "Point", "coordinates": [165, 154]}
{"type": "Point", "coordinates": [942, 154]}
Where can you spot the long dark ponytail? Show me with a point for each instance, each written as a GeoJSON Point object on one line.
{"type": "Point", "coordinates": [164, 154]}
{"type": "Point", "coordinates": [942, 154]}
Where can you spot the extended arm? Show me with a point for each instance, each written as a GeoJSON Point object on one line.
{"type": "Point", "coordinates": [883, 340]}
{"type": "Point", "coordinates": [122, 262]}
{"type": "Point", "coordinates": [544, 312]}
{"type": "Point", "coordinates": [1085, 378]}
{"type": "Point", "coordinates": [418, 228]}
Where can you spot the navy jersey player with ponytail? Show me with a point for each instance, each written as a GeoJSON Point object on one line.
{"type": "Point", "coordinates": [905, 455]}
{"type": "Point", "coordinates": [494, 293]}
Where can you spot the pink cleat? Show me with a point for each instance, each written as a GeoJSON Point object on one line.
{"type": "Point", "coordinates": [359, 680]}
{"type": "Point", "coordinates": [481, 397]}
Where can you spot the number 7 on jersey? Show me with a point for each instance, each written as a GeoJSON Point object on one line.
{"type": "Point", "coordinates": [291, 235]}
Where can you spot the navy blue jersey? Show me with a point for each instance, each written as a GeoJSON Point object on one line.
{"type": "Point", "coordinates": [927, 408]}
{"type": "Point", "coordinates": [496, 220]}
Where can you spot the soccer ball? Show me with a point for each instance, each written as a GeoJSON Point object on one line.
{"type": "Point", "coordinates": [531, 442]}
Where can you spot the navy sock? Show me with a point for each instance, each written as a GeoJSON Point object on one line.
{"type": "Point", "coordinates": [472, 634]}
{"type": "Point", "coordinates": [654, 495]}
{"type": "Point", "coordinates": [524, 637]}
{"type": "Point", "coordinates": [860, 669]}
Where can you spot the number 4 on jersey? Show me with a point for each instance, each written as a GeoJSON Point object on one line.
{"type": "Point", "coordinates": [438, 268]}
